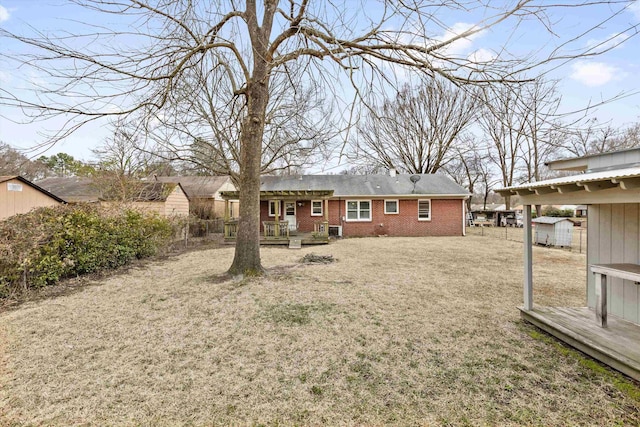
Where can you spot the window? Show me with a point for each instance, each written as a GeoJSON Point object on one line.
{"type": "Point", "coordinates": [272, 207]}
{"type": "Point", "coordinates": [391, 207]}
{"type": "Point", "coordinates": [424, 210]}
{"type": "Point", "coordinates": [14, 187]}
{"type": "Point", "coordinates": [358, 210]}
{"type": "Point", "coordinates": [290, 208]}
{"type": "Point", "coordinates": [316, 208]}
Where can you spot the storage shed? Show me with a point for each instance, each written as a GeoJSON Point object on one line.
{"type": "Point", "coordinates": [553, 231]}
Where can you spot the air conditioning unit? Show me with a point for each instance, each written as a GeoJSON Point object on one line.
{"type": "Point", "coordinates": [335, 230]}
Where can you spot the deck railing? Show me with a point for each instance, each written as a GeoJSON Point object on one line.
{"type": "Point", "coordinates": [276, 229]}
{"type": "Point", "coordinates": [231, 229]}
{"type": "Point", "coordinates": [321, 228]}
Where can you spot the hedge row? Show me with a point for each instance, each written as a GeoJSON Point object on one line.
{"type": "Point", "coordinates": [48, 244]}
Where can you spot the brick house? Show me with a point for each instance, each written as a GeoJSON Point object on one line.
{"type": "Point", "coordinates": [360, 205]}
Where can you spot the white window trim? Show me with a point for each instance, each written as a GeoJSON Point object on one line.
{"type": "Point", "coordinates": [346, 210]}
{"type": "Point", "coordinates": [321, 208]}
{"type": "Point", "coordinates": [430, 209]}
{"type": "Point", "coordinates": [273, 203]}
{"type": "Point", "coordinates": [284, 209]}
{"type": "Point", "coordinates": [397, 207]}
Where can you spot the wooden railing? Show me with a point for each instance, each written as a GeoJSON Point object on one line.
{"type": "Point", "coordinates": [276, 229]}
{"type": "Point", "coordinates": [231, 229]}
{"type": "Point", "coordinates": [321, 228]}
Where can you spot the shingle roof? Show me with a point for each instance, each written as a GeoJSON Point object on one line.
{"type": "Point", "coordinates": [143, 191]}
{"type": "Point", "coordinates": [51, 194]}
{"type": "Point", "coordinates": [197, 186]}
{"type": "Point", "coordinates": [86, 189]}
{"type": "Point", "coordinates": [367, 185]}
{"type": "Point", "coordinates": [73, 189]}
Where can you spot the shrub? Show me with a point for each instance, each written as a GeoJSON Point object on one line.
{"type": "Point", "coordinates": [551, 211]}
{"type": "Point", "coordinates": [555, 212]}
{"type": "Point", "coordinates": [48, 244]}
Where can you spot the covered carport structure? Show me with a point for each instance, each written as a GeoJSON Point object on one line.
{"type": "Point", "coordinates": [608, 328]}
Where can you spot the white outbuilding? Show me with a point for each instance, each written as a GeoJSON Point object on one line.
{"type": "Point", "coordinates": [553, 231]}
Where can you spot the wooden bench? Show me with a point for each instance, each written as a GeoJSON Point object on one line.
{"type": "Point", "coordinates": [602, 271]}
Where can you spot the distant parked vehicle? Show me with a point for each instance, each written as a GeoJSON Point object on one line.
{"type": "Point", "coordinates": [511, 220]}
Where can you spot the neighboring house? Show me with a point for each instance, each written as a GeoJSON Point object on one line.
{"type": "Point", "coordinates": [19, 195]}
{"type": "Point", "coordinates": [581, 211]}
{"type": "Point", "coordinates": [164, 198]}
{"type": "Point", "coordinates": [608, 329]}
{"type": "Point", "coordinates": [495, 215]}
{"type": "Point", "coordinates": [360, 205]}
{"type": "Point", "coordinates": [204, 193]}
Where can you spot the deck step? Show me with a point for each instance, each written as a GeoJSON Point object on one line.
{"type": "Point", "coordinates": [295, 243]}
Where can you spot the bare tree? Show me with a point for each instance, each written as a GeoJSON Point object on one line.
{"type": "Point", "coordinates": [608, 138]}
{"type": "Point", "coordinates": [121, 153]}
{"type": "Point", "coordinates": [593, 137]}
{"type": "Point", "coordinates": [13, 162]}
{"type": "Point", "coordinates": [123, 161]}
{"type": "Point", "coordinates": [539, 108]}
{"type": "Point", "coordinates": [470, 167]}
{"type": "Point", "coordinates": [505, 129]}
{"type": "Point", "coordinates": [416, 131]}
{"type": "Point", "coordinates": [199, 126]}
{"type": "Point", "coordinates": [135, 67]}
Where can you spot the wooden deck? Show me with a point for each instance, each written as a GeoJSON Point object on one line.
{"type": "Point", "coordinates": [306, 239]}
{"type": "Point", "coordinates": [617, 345]}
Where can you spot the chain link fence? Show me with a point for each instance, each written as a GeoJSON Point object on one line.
{"type": "Point", "coordinates": [515, 234]}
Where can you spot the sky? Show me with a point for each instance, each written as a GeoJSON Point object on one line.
{"type": "Point", "coordinates": [582, 82]}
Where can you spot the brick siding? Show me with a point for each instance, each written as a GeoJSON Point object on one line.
{"type": "Point", "coordinates": [446, 218]}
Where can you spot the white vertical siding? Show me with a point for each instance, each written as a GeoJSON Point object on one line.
{"type": "Point", "coordinates": [614, 304]}
{"type": "Point", "coordinates": [593, 238]}
{"type": "Point", "coordinates": [613, 234]}
{"type": "Point", "coordinates": [631, 292]}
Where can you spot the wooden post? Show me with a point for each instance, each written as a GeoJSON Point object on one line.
{"type": "Point", "coordinates": [276, 207]}
{"type": "Point", "coordinates": [226, 210]}
{"type": "Point", "coordinates": [528, 259]}
{"type": "Point", "coordinates": [601, 300]}
{"type": "Point", "coordinates": [326, 209]}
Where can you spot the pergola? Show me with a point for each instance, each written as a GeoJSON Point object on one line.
{"type": "Point", "coordinates": [277, 229]}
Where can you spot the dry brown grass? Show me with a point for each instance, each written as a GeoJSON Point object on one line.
{"type": "Point", "coordinates": [402, 331]}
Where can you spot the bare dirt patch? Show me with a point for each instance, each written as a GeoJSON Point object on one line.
{"type": "Point", "coordinates": [403, 331]}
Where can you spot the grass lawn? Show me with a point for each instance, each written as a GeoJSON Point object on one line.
{"type": "Point", "coordinates": [401, 331]}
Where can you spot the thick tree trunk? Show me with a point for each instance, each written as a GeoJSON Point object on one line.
{"type": "Point", "coordinates": [538, 210]}
{"type": "Point", "coordinates": [247, 255]}
{"type": "Point", "coordinates": [507, 202]}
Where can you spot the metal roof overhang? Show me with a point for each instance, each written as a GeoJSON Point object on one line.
{"type": "Point", "coordinates": [283, 194]}
{"type": "Point", "coordinates": [610, 186]}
